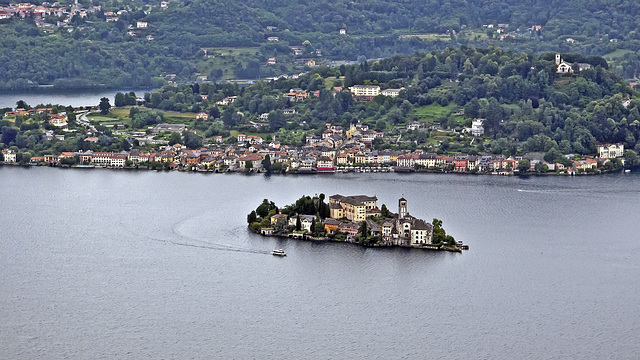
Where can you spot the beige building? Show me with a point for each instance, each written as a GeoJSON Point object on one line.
{"type": "Point", "coordinates": [365, 90]}
{"type": "Point", "coordinates": [609, 151]}
{"type": "Point", "coordinates": [354, 208]}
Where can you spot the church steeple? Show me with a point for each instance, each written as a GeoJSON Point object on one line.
{"type": "Point", "coordinates": [402, 208]}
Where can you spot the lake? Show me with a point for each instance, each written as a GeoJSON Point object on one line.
{"type": "Point", "coordinates": [137, 264]}
{"type": "Point", "coordinates": [53, 96]}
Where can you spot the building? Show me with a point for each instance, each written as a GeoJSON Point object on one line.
{"type": "Point", "coordinates": [160, 128]}
{"type": "Point", "coordinates": [409, 230]}
{"type": "Point", "coordinates": [142, 24]}
{"type": "Point", "coordinates": [610, 151]}
{"type": "Point", "coordinates": [365, 90]}
{"type": "Point", "coordinates": [9, 156]}
{"type": "Point", "coordinates": [343, 31]}
{"type": "Point", "coordinates": [392, 92]}
{"type": "Point", "coordinates": [476, 127]}
{"type": "Point", "coordinates": [202, 116]}
{"type": "Point", "coordinates": [58, 120]}
{"type": "Point", "coordinates": [354, 208]}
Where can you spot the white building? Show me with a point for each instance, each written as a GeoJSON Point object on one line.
{"type": "Point", "coordinates": [610, 151]}
{"type": "Point", "coordinates": [9, 156]}
{"type": "Point", "coordinates": [476, 127]}
{"type": "Point", "coordinates": [142, 24]}
{"type": "Point", "coordinates": [392, 92]}
{"type": "Point", "coordinates": [365, 90]}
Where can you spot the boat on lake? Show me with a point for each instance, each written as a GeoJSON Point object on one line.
{"type": "Point", "coordinates": [278, 252]}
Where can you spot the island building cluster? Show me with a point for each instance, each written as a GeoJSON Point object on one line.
{"type": "Point", "coordinates": [348, 212]}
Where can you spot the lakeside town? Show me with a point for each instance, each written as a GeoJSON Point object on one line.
{"type": "Point", "coordinates": [353, 219]}
{"type": "Point", "coordinates": [337, 150]}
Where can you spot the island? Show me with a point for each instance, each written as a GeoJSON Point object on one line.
{"type": "Point", "coordinates": [352, 219]}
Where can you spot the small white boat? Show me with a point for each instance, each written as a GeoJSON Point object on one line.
{"type": "Point", "coordinates": [627, 171]}
{"type": "Point", "coordinates": [278, 252]}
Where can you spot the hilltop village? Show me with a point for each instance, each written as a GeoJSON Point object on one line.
{"type": "Point", "coordinates": [354, 219]}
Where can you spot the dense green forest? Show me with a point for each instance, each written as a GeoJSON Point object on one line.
{"type": "Point", "coordinates": [527, 105]}
{"type": "Point", "coordinates": [88, 51]}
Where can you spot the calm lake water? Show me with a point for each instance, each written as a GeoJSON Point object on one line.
{"type": "Point", "coordinates": [100, 264]}
{"type": "Point", "coordinates": [62, 97]}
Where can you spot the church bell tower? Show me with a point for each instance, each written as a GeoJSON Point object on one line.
{"type": "Point", "coordinates": [402, 208]}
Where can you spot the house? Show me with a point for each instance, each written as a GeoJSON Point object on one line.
{"type": "Point", "coordinates": [202, 116]}
{"type": "Point", "coordinates": [476, 127]}
{"type": "Point", "coordinates": [273, 39]}
{"type": "Point", "coordinates": [164, 4]}
{"type": "Point", "coordinates": [150, 37]}
{"type": "Point", "coordinates": [331, 225]}
{"type": "Point", "coordinates": [342, 31]}
{"type": "Point", "coordinates": [288, 111]}
{"type": "Point", "coordinates": [228, 100]}
{"type": "Point", "coordinates": [9, 156]}
{"type": "Point", "coordinates": [271, 61]}
{"type": "Point", "coordinates": [254, 159]}
{"type": "Point", "coordinates": [392, 92]}
{"type": "Point", "coordinates": [609, 151]}
{"type": "Point", "coordinates": [279, 220]}
{"type": "Point", "coordinates": [58, 120]}
{"type": "Point", "coordinates": [142, 24]}
{"type": "Point", "coordinates": [305, 221]}
{"type": "Point", "coordinates": [325, 162]}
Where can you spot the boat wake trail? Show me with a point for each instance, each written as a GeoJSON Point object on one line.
{"type": "Point", "coordinates": [200, 244]}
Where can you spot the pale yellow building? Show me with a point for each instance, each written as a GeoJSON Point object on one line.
{"type": "Point", "coordinates": [365, 90]}
{"type": "Point", "coordinates": [354, 208]}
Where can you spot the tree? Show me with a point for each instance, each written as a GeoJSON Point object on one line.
{"type": "Point", "coordinates": [631, 158]}
{"type": "Point", "coordinates": [214, 112]}
{"type": "Point", "coordinates": [192, 140]}
{"type": "Point", "coordinates": [119, 100]}
{"type": "Point", "coordinates": [524, 165]}
{"type": "Point", "coordinates": [251, 218]}
{"type": "Point", "coordinates": [104, 106]}
{"type": "Point", "coordinates": [298, 223]}
{"type": "Point", "coordinates": [175, 138]}
{"type": "Point", "coordinates": [313, 226]}
{"type": "Point", "coordinates": [248, 165]}
{"type": "Point", "coordinates": [363, 229]}
{"type": "Point", "coordinates": [266, 163]}
{"type": "Point", "coordinates": [384, 211]}
{"type": "Point", "coordinates": [263, 209]}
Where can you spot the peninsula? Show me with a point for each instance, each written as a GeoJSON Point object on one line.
{"type": "Point", "coordinates": [353, 219]}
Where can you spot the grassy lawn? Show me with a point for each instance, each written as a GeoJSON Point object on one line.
{"type": "Point", "coordinates": [224, 59]}
{"type": "Point", "coordinates": [434, 111]}
{"type": "Point", "coordinates": [617, 54]}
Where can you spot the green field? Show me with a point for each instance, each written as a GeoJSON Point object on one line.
{"type": "Point", "coordinates": [224, 59]}
{"type": "Point", "coordinates": [434, 111]}
{"type": "Point", "coordinates": [618, 54]}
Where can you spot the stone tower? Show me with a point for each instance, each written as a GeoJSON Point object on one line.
{"type": "Point", "coordinates": [402, 208]}
{"type": "Point", "coordinates": [558, 59]}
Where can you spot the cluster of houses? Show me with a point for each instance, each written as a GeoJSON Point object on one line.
{"type": "Point", "coordinates": [348, 212]}
{"type": "Point", "coordinates": [62, 15]}
{"type": "Point", "coordinates": [39, 12]}
{"type": "Point", "coordinates": [336, 150]}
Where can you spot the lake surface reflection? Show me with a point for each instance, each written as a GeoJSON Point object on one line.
{"type": "Point", "coordinates": [115, 264]}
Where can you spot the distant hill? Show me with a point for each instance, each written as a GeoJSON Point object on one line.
{"type": "Point", "coordinates": [91, 50]}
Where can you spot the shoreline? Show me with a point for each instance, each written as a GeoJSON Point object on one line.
{"type": "Point", "coordinates": [323, 173]}
{"type": "Point", "coordinates": [304, 237]}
